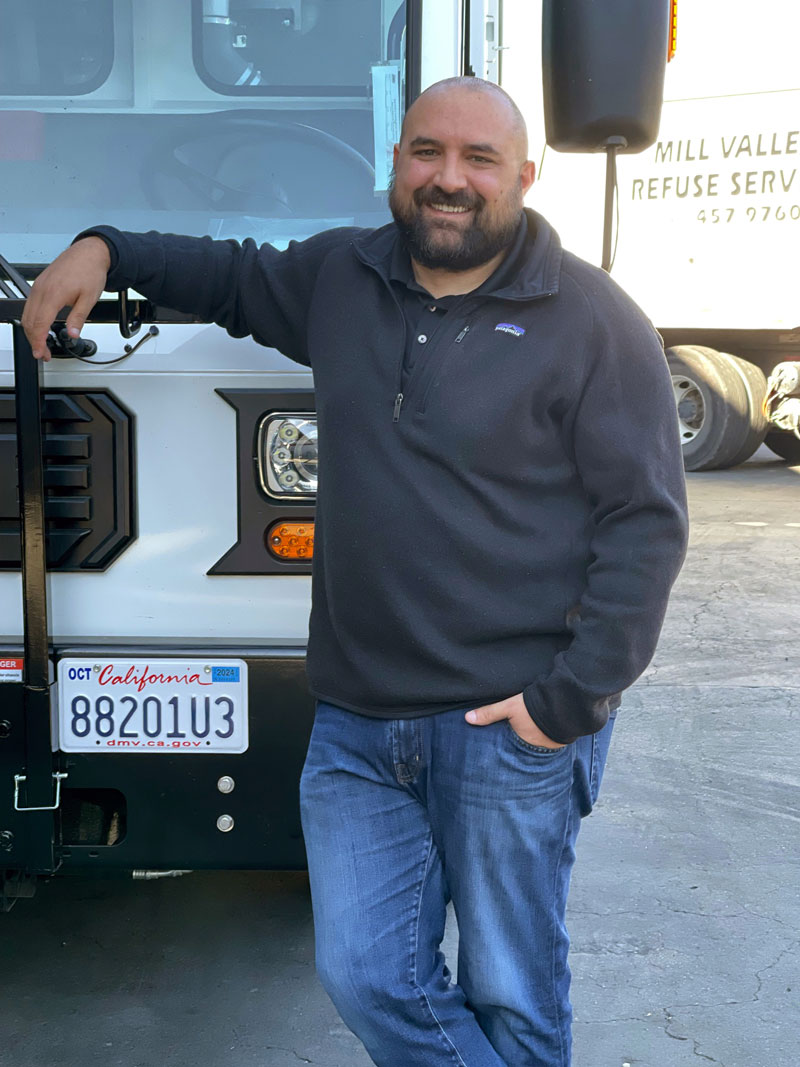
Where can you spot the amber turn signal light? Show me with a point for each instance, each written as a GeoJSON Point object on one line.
{"type": "Point", "coordinates": [291, 540]}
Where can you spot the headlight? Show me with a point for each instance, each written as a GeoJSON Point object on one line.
{"type": "Point", "coordinates": [287, 455]}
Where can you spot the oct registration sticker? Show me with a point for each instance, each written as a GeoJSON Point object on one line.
{"type": "Point", "coordinates": [152, 705]}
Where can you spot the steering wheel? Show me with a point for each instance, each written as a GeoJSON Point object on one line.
{"type": "Point", "coordinates": [240, 162]}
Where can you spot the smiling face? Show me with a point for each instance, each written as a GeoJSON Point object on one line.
{"type": "Point", "coordinates": [460, 175]}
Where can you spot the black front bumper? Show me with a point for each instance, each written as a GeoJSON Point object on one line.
{"type": "Point", "coordinates": [121, 812]}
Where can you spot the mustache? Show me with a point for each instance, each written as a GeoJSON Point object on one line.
{"type": "Point", "coordinates": [431, 195]}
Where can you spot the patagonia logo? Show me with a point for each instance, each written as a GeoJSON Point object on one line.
{"type": "Point", "coordinates": [509, 327]}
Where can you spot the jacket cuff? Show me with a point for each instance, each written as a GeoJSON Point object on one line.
{"type": "Point", "coordinates": [104, 236]}
{"type": "Point", "coordinates": [567, 714]}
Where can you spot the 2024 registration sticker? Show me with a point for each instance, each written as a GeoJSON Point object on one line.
{"type": "Point", "coordinates": [137, 705]}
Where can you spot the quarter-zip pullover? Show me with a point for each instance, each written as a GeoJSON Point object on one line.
{"type": "Point", "coordinates": [507, 517]}
{"type": "Point", "coordinates": [423, 312]}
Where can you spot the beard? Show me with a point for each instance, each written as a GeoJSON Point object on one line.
{"type": "Point", "coordinates": [442, 245]}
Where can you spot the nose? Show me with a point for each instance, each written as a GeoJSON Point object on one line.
{"type": "Point", "coordinates": [451, 177]}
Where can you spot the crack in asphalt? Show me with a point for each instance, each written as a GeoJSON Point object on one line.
{"type": "Point", "coordinates": [606, 1022]}
{"type": "Point", "coordinates": [280, 1048]}
{"type": "Point", "coordinates": [789, 948]}
{"type": "Point", "coordinates": [713, 597]}
{"type": "Point", "coordinates": [703, 1056]}
{"type": "Point", "coordinates": [670, 1019]}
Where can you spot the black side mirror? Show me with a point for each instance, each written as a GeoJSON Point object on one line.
{"type": "Point", "coordinates": [603, 64]}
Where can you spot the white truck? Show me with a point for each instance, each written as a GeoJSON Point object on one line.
{"type": "Point", "coordinates": [153, 707]}
{"type": "Point", "coordinates": [708, 218]}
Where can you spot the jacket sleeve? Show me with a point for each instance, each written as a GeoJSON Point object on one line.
{"type": "Point", "coordinates": [623, 431]}
{"type": "Point", "coordinates": [247, 289]}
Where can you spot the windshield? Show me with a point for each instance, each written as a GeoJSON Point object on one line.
{"type": "Point", "coordinates": [272, 119]}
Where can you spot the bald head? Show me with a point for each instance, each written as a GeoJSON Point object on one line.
{"type": "Point", "coordinates": [460, 176]}
{"type": "Point", "coordinates": [508, 114]}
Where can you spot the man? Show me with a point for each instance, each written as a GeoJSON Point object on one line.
{"type": "Point", "coordinates": [501, 516]}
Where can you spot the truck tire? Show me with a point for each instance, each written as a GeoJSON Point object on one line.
{"type": "Point", "coordinates": [785, 445]}
{"type": "Point", "coordinates": [713, 406]}
{"type": "Point", "coordinates": [755, 384]}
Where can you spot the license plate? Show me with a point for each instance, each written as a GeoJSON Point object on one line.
{"type": "Point", "coordinates": [152, 705]}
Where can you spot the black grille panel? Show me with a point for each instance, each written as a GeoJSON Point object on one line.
{"type": "Point", "coordinates": [88, 454]}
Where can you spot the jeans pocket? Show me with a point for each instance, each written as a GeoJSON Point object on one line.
{"type": "Point", "coordinates": [533, 750]}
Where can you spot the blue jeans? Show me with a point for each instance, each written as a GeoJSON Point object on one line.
{"type": "Point", "coordinates": [400, 817]}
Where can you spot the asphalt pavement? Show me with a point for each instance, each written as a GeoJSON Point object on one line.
{"type": "Point", "coordinates": [685, 906]}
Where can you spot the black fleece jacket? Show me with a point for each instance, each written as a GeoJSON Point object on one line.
{"type": "Point", "coordinates": [515, 522]}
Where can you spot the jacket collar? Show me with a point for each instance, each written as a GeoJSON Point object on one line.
{"type": "Point", "coordinates": [539, 275]}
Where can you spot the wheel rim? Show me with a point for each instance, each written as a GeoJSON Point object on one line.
{"type": "Point", "coordinates": [691, 406]}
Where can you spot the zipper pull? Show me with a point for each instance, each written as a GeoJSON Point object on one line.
{"type": "Point", "coordinates": [462, 335]}
{"type": "Point", "coordinates": [398, 403]}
